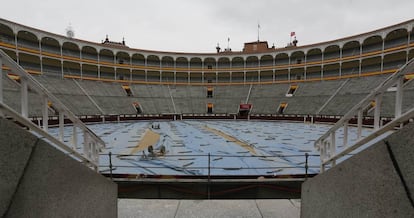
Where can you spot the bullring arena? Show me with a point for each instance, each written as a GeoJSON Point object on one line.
{"type": "Point", "coordinates": [315, 122]}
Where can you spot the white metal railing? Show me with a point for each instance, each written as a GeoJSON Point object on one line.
{"type": "Point", "coordinates": [332, 96]}
{"type": "Point", "coordinates": [248, 94]}
{"type": "Point", "coordinates": [89, 97]}
{"type": "Point", "coordinates": [331, 150]}
{"type": "Point", "coordinates": [172, 99]}
{"type": "Point", "coordinates": [92, 144]}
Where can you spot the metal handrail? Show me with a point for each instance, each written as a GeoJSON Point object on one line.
{"type": "Point", "coordinates": [327, 145]}
{"type": "Point", "coordinates": [29, 124]}
{"type": "Point", "coordinates": [207, 166]}
{"type": "Point", "coordinates": [214, 155]}
{"type": "Point", "coordinates": [91, 142]}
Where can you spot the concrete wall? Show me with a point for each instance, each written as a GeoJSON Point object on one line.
{"type": "Point", "coordinates": [377, 182]}
{"type": "Point", "coordinates": [37, 180]}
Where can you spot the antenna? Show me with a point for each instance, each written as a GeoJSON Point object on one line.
{"type": "Point", "coordinates": [70, 33]}
{"type": "Point", "coordinates": [258, 31]}
{"type": "Point", "coordinates": [228, 44]}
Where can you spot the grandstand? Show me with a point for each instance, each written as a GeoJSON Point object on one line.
{"type": "Point", "coordinates": [172, 83]}
{"type": "Point", "coordinates": [99, 82]}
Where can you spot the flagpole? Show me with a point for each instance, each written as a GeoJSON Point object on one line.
{"type": "Point", "coordinates": [258, 32]}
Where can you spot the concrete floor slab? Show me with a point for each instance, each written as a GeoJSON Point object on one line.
{"type": "Point", "coordinates": [218, 208]}
{"type": "Point", "coordinates": [281, 208]}
{"type": "Point", "coordinates": [143, 208]}
{"type": "Point", "coordinates": [147, 208]}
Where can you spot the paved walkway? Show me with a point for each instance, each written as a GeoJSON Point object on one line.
{"type": "Point", "coordinates": [208, 208]}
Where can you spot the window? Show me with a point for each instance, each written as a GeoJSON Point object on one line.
{"type": "Point", "coordinates": [127, 89]}
{"type": "Point", "coordinates": [209, 92]}
{"type": "Point", "coordinates": [369, 108]}
{"type": "Point", "coordinates": [282, 107]}
{"type": "Point", "coordinates": [14, 77]}
{"type": "Point", "coordinates": [408, 77]}
{"type": "Point", "coordinates": [292, 90]}
{"type": "Point", "coordinates": [209, 108]}
{"type": "Point", "coordinates": [137, 107]}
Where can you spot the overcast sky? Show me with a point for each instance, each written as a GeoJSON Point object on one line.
{"type": "Point", "coordinates": [198, 25]}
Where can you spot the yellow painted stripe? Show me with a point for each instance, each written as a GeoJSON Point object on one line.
{"type": "Point", "coordinates": [234, 83]}
{"type": "Point", "coordinates": [231, 139]}
{"type": "Point", "coordinates": [150, 138]}
{"type": "Point", "coordinates": [409, 76]}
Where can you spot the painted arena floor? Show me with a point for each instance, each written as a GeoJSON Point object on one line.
{"type": "Point", "coordinates": [266, 148]}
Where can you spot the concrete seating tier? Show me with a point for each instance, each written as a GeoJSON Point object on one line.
{"type": "Point", "coordinates": [304, 105]}
{"type": "Point", "coordinates": [102, 88]}
{"type": "Point", "coordinates": [340, 104]}
{"type": "Point", "coordinates": [97, 98]}
{"type": "Point", "coordinates": [116, 104]}
{"type": "Point", "coordinates": [60, 86]}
